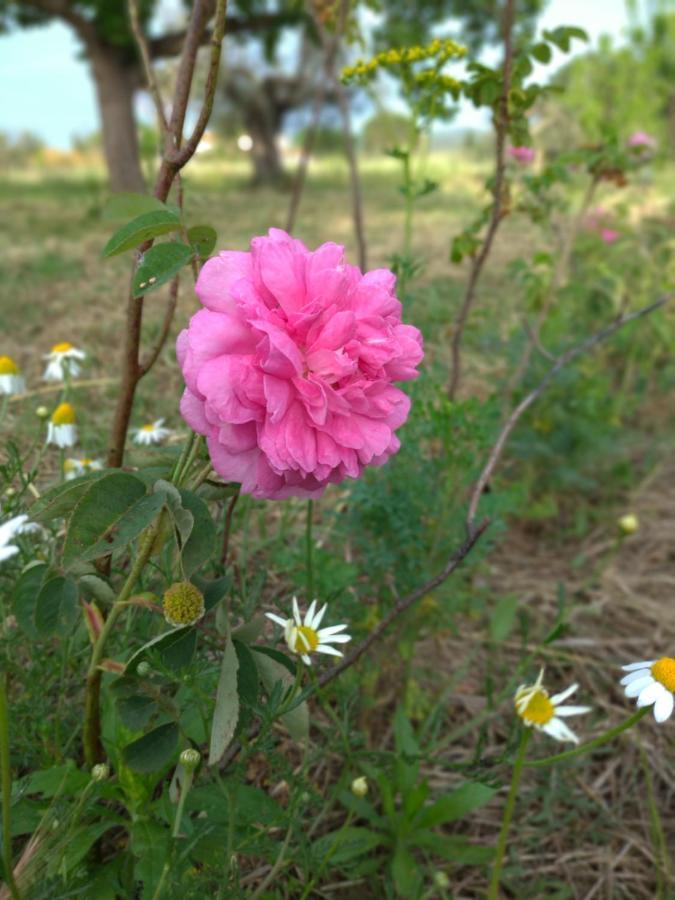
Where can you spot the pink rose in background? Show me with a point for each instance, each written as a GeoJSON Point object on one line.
{"type": "Point", "coordinates": [594, 217]}
{"type": "Point", "coordinates": [609, 235]}
{"type": "Point", "coordinates": [641, 140]}
{"type": "Point", "coordinates": [523, 155]}
{"type": "Point", "coordinates": [289, 366]}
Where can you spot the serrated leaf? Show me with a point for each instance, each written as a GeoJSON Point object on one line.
{"type": "Point", "coordinates": [203, 239]}
{"type": "Point", "coordinates": [148, 225]}
{"type": "Point", "coordinates": [122, 532]}
{"type": "Point", "coordinates": [201, 542]}
{"type": "Point", "coordinates": [272, 673]}
{"type": "Point", "coordinates": [98, 510]}
{"type": "Point", "coordinates": [25, 596]}
{"type": "Point", "coordinates": [456, 805]}
{"type": "Point", "coordinates": [62, 499]}
{"type": "Point", "coordinates": [160, 264]}
{"type": "Point", "coordinates": [226, 711]}
{"type": "Point", "coordinates": [127, 205]}
{"type": "Point", "coordinates": [176, 649]}
{"type": "Point", "coordinates": [56, 606]}
{"type": "Point", "coordinates": [153, 751]}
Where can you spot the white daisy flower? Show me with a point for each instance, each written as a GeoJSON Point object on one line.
{"type": "Point", "coordinates": [61, 428]}
{"type": "Point", "coordinates": [149, 434]}
{"type": "Point", "coordinates": [62, 360]}
{"type": "Point", "coordinates": [306, 637]}
{"type": "Point", "coordinates": [652, 682]}
{"type": "Point", "coordinates": [11, 379]}
{"type": "Point", "coordinates": [73, 468]}
{"type": "Point", "coordinates": [8, 531]}
{"type": "Point", "coordinates": [538, 710]}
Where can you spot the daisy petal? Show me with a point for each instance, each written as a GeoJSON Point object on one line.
{"type": "Point", "coordinates": [633, 676]}
{"type": "Point", "coordinates": [309, 615]}
{"type": "Point", "coordinates": [331, 651]}
{"type": "Point", "coordinates": [563, 695]}
{"type": "Point", "coordinates": [307, 661]}
{"type": "Point", "coordinates": [650, 694]}
{"type": "Point", "coordinates": [635, 687]}
{"type": "Point", "coordinates": [332, 629]}
{"type": "Point", "coordinates": [296, 612]}
{"type": "Point", "coordinates": [571, 710]}
{"type": "Point", "coordinates": [277, 619]}
{"type": "Point", "coordinates": [638, 665]}
{"type": "Point", "coordinates": [558, 729]}
{"type": "Point", "coordinates": [334, 638]}
{"type": "Point", "coordinates": [664, 706]}
{"type": "Point", "coordinates": [318, 617]}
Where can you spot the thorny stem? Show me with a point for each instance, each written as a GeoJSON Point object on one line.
{"type": "Point", "coordinates": [175, 157]}
{"type": "Point", "coordinates": [530, 398]}
{"type": "Point", "coordinates": [493, 889]}
{"type": "Point", "coordinates": [6, 784]}
{"type": "Point", "coordinates": [590, 745]}
{"type": "Point", "coordinates": [501, 122]}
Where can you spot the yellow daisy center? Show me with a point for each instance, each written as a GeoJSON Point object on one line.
{"type": "Point", "coordinates": [310, 642]}
{"type": "Point", "coordinates": [183, 604]}
{"type": "Point", "coordinates": [663, 671]}
{"type": "Point", "coordinates": [63, 347]}
{"type": "Point", "coordinates": [539, 709]}
{"type": "Point", "coordinates": [64, 414]}
{"type": "Point", "coordinates": [8, 366]}
{"type": "Point", "coordinates": [147, 427]}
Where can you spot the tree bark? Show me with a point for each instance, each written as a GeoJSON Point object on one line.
{"type": "Point", "coordinates": [116, 80]}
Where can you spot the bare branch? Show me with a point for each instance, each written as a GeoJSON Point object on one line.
{"type": "Point", "coordinates": [528, 400]}
{"type": "Point", "coordinates": [501, 122]}
{"type": "Point", "coordinates": [171, 44]}
{"type": "Point", "coordinates": [153, 86]}
{"type": "Point", "coordinates": [152, 356]}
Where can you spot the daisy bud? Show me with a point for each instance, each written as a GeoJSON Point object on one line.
{"type": "Point", "coordinates": [629, 524]}
{"type": "Point", "coordinates": [143, 669]}
{"type": "Point", "coordinates": [441, 880]}
{"type": "Point", "coordinates": [10, 492]}
{"type": "Point", "coordinates": [360, 786]}
{"type": "Point", "coordinates": [42, 412]}
{"type": "Point", "coordinates": [100, 772]}
{"type": "Point", "coordinates": [183, 604]}
{"type": "Point", "coordinates": [189, 759]}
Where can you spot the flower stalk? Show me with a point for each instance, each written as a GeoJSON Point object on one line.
{"type": "Point", "coordinates": [6, 782]}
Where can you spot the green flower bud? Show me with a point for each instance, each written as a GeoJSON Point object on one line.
{"type": "Point", "coordinates": [441, 880]}
{"type": "Point", "coordinates": [629, 523]}
{"type": "Point", "coordinates": [100, 772]}
{"type": "Point", "coordinates": [42, 412]}
{"type": "Point", "coordinates": [143, 668]}
{"type": "Point", "coordinates": [183, 604]}
{"type": "Point", "coordinates": [189, 759]}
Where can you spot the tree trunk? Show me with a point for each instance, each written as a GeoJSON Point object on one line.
{"type": "Point", "coordinates": [262, 123]}
{"type": "Point", "coordinates": [116, 80]}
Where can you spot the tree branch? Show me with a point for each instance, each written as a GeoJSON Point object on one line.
{"type": "Point", "coordinates": [171, 44]}
{"type": "Point", "coordinates": [530, 398]}
{"type": "Point", "coordinates": [501, 123]}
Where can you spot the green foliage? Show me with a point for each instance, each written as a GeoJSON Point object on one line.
{"type": "Point", "coordinates": [142, 228]}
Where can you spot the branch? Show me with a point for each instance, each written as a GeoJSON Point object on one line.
{"type": "Point", "coordinates": [153, 354]}
{"type": "Point", "coordinates": [63, 9]}
{"type": "Point", "coordinates": [153, 86]}
{"type": "Point", "coordinates": [171, 44]}
{"type": "Point", "coordinates": [528, 400]}
{"type": "Point", "coordinates": [501, 124]}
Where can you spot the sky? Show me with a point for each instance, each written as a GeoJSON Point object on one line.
{"type": "Point", "coordinates": [45, 85]}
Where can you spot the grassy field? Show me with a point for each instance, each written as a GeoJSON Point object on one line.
{"type": "Point", "coordinates": [583, 831]}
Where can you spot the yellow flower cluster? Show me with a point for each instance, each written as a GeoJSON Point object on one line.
{"type": "Point", "coordinates": [438, 49]}
{"type": "Point", "coordinates": [429, 77]}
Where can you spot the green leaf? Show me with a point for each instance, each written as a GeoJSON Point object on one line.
{"type": "Point", "coordinates": [405, 872]}
{"type": "Point", "coordinates": [459, 803]}
{"type": "Point", "coordinates": [273, 672]}
{"type": "Point", "coordinates": [182, 518]}
{"type": "Point", "coordinates": [121, 533]}
{"type": "Point", "coordinates": [503, 617]}
{"type": "Point", "coordinates": [203, 239]}
{"type": "Point", "coordinates": [201, 543]}
{"type": "Point", "coordinates": [175, 648]}
{"type": "Point", "coordinates": [453, 848]}
{"type": "Point", "coordinates": [214, 590]}
{"type": "Point", "coordinates": [126, 205]}
{"type": "Point", "coordinates": [542, 52]}
{"type": "Point", "coordinates": [346, 844]}
{"type": "Point", "coordinates": [404, 736]}
{"type": "Point", "coordinates": [56, 606]}
{"type": "Point", "coordinates": [160, 264]}
{"type": "Point", "coordinates": [136, 711]}
{"type": "Point", "coordinates": [153, 751]}
{"type": "Point", "coordinates": [100, 508]}
{"type": "Point", "coordinates": [25, 596]}
{"type": "Point", "coordinates": [247, 676]}
{"type": "Point", "coordinates": [142, 228]}
{"type": "Point", "coordinates": [97, 587]}
{"type": "Point", "coordinates": [277, 656]}
{"type": "Point", "coordinates": [226, 712]}
{"type": "Point", "coordinates": [62, 499]}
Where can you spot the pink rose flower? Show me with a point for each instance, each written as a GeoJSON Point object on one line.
{"type": "Point", "coordinates": [641, 140]}
{"type": "Point", "coordinates": [523, 155]}
{"type": "Point", "coordinates": [609, 235]}
{"type": "Point", "coordinates": [289, 366]}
